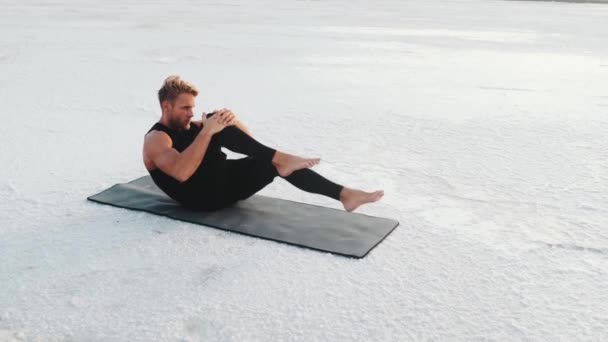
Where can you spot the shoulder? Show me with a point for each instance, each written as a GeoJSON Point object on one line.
{"type": "Point", "coordinates": [157, 138]}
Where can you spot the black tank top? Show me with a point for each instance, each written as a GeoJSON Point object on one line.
{"type": "Point", "coordinates": [181, 140]}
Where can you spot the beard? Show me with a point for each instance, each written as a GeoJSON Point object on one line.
{"type": "Point", "coordinates": [179, 124]}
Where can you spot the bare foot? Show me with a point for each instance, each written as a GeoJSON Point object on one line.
{"type": "Point", "coordinates": [286, 164]}
{"type": "Point", "coordinates": [351, 199]}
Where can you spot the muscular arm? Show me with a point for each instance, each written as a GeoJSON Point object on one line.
{"type": "Point", "coordinates": [181, 166]}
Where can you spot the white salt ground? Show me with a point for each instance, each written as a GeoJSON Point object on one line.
{"type": "Point", "coordinates": [484, 121]}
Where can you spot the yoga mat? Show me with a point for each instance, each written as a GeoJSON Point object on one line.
{"type": "Point", "coordinates": [300, 224]}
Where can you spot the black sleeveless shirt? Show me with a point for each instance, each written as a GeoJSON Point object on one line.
{"type": "Point", "coordinates": [181, 140]}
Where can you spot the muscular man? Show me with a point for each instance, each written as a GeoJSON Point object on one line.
{"type": "Point", "coordinates": [185, 160]}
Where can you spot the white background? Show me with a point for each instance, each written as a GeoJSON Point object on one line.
{"type": "Point", "coordinates": [484, 121]}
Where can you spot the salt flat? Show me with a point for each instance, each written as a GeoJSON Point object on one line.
{"type": "Point", "coordinates": [484, 122]}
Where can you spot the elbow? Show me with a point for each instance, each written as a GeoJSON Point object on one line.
{"type": "Point", "coordinates": [182, 177]}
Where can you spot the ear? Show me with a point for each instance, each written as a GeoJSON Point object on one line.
{"type": "Point", "coordinates": [166, 105]}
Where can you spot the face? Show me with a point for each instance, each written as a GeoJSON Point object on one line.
{"type": "Point", "coordinates": [180, 112]}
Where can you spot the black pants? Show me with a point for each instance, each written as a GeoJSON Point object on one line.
{"type": "Point", "coordinates": [220, 183]}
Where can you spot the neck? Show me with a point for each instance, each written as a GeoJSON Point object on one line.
{"type": "Point", "coordinates": [164, 120]}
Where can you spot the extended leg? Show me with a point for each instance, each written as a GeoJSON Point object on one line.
{"type": "Point", "coordinates": [351, 199]}
{"type": "Point", "coordinates": [249, 175]}
{"type": "Point", "coordinates": [310, 181]}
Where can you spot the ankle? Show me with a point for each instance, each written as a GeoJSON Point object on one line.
{"type": "Point", "coordinates": [278, 158]}
{"type": "Point", "coordinates": [344, 194]}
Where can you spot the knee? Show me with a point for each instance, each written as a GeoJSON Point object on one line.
{"type": "Point", "coordinates": [264, 173]}
{"type": "Point", "coordinates": [231, 130]}
{"type": "Point", "coordinates": [229, 133]}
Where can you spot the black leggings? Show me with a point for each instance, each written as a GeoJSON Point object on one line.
{"type": "Point", "coordinates": [238, 179]}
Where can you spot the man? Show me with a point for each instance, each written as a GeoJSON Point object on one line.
{"type": "Point", "coordinates": [185, 160]}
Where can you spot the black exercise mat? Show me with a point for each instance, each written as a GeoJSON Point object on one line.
{"type": "Point", "coordinates": [305, 225]}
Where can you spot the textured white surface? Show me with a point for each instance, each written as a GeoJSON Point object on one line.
{"type": "Point", "coordinates": [484, 121]}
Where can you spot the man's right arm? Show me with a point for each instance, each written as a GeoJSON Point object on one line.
{"type": "Point", "coordinates": [181, 166]}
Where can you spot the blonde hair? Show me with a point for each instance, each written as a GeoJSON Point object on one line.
{"type": "Point", "coordinates": [173, 86]}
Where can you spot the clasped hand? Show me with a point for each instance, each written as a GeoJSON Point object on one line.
{"type": "Point", "coordinates": [218, 121]}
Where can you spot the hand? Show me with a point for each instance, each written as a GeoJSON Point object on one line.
{"type": "Point", "coordinates": [227, 117]}
{"type": "Point", "coordinates": [218, 121]}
